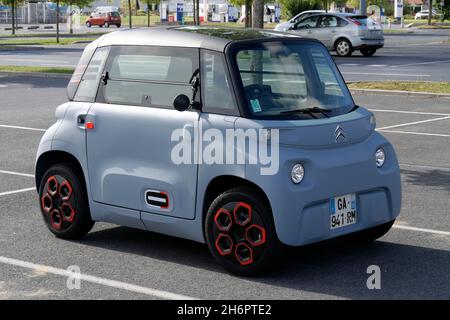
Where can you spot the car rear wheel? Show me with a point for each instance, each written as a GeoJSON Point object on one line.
{"type": "Point", "coordinates": [343, 48]}
{"type": "Point", "coordinates": [240, 232]}
{"type": "Point", "coordinates": [88, 24]}
{"type": "Point", "coordinates": [368, 52]}
{"type": "Point", "coordinates": [373, 233]}
{"type": "Point", "coordinates": [118, 25]}
{"type": "Point", "coordinates": [63, 202]}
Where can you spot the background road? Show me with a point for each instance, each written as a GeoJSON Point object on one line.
{"type": "Point", "coordinates": [414, 256]}
{"type": "Point", "coordinates": [422, 55]}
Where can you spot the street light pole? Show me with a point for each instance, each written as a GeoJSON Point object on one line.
{"type": "Point", "coordinates": [430, 10]}
{"type": "Point", "coordinates": [362, 7]}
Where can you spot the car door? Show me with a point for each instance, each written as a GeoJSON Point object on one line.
{"type": "Point", "coordinates": [326, 28]}
{"type": "Point", "coordinates": [306, 27]}
{"type": "Point", "coordinates": [132, 127]}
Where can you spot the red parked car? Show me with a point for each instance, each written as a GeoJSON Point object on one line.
{"type": "Point", "coordinates": [104, 19]}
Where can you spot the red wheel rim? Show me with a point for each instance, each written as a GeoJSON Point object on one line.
{"type": "Point", "coordinates": [239, 234]}
{"type": "Point", "coordinates": [58, 203]}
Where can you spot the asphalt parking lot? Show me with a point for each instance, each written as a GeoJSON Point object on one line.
{"type": "Point", "coordinates": [118, 262]}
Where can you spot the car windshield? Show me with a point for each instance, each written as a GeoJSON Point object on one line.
{"type": "Point", "coordinates": [286, 79]}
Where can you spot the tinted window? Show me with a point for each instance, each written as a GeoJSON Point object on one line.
{"type": "Point", "coordinates": [87, 90]}
{"type": "Point", "coordinates": [342, 22]}
{"type": "Point", "coordinates": [216, 87]}
{"type": "Point", "coordinates": [149, 76]}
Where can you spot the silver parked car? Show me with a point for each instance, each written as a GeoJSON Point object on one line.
{"type": "Point", "coordinates": [343, 33]}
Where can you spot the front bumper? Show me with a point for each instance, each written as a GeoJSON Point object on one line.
{"type": "Point", "coordinates": [301, 212]}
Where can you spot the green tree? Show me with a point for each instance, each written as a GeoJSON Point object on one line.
{"type": "Point", "coordinates": [445, 8]}
{"type": "Point", "coordinates": [294, 7]}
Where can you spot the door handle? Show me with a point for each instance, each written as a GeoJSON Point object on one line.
{"type": "Point", "coordinates": [81, 120]}
{"type": "Point", "coordinates": [83, 124]}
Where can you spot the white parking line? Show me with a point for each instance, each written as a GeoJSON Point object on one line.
{"type": "Point", "coordinates": [445, 233]}
{"type": "Point", "coordinates": [411, 112]}
{"type": "Point", "coordinates": [415, 122]}
{"type": "Point", "coordinates": [416, 133]}
{"type": "Point", "coordinates": [421, 166]}
{"type": "Point", "coordinates": [17, 173]}
{"type": "Point", "coordinates": [97, 280]}
{"type": "Point", "coordinates": [22, 128]}
{"type": "Point", "coordinates": [387, 74]}
{"type": "Point", "coordinates": [36, 60]}
{"type": "Point", "coordinates": [16, 191]}
{"type": "Point", "coordinates": [420, 63]}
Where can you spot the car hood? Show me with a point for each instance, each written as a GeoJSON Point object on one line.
{"type": "Point", "coordinates": [284, 26]}
{"type": "Point", "coordinates": [345, 129]}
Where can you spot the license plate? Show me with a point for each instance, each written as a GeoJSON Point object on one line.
{"type": "Point", "coordinates": [342, 211]}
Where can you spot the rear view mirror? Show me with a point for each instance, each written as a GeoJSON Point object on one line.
{"type": "Point", "coordinates": [182, 102]}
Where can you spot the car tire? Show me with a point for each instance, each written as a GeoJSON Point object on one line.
{"type": "Point", "coordinates": [240, 232]}
{"type": "Point", "coordinates": [100, 26]}
{"type": "Point", "coordinates": [343, 48]}
{"type": "Point", "coordinates": [372, 234]}
{"type": "Point", "coordinates": [368, 52]}
{"type": "Point", "coordinates": [106, 24]}
{"type": "Point", "coordinates": [118, 25]}
{"type": "Point", "coordinates": [88, 24]}
{"type": "Point", "coordinates": [63, 202]}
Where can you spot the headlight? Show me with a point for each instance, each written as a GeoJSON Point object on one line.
{"type": "Point", "coordinates": [297, 173]}
{"type": "Point", "coordinates": [380, 157]}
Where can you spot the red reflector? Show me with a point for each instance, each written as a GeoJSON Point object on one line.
{"type": "Point", "coordinates": [89, 125]}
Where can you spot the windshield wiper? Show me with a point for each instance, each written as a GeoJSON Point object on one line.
{"type": "Point", "coordinates": [309, 111]}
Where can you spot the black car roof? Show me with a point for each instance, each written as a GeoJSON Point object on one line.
{"type": "Point", "coordinates": [213, 38]}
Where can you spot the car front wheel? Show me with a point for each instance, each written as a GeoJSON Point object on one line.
{"type": "Point", "coordinates": [240, 232]}
{"type": "Point", "coordinates": [368, 52]}
{"type": "Point", "coordinates": [343, 48]}
{"type": "Point", "coordinates": [63, 202]}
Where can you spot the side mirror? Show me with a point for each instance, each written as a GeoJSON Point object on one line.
{"type": "Point", "coordinates": [182, 102]}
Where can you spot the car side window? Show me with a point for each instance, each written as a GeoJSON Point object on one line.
{"type": "Point", "coordinates": [87, 89]}
{"type": "Point", "coordinates": [216, 87]}
{"type": "Point", "coordinates": [149, 76]}
{"type": "Point", "coordinates": [341, 22]}
{"type": "Point", "coordinates": [328, 22]}
{"type": "Point", "coordinates": [307, 23]}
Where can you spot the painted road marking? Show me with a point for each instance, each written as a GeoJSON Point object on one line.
{"type": "Point", "coordinates": [22, 128]}
{"type": "Point", "coordinates": [411, 112]}
{"type": "Point", "coordinates": [445, 233]}
{"type": "Point", "coordinates": [421, 166]}
{"type": "Point", "coordinates": [421, 63]}
{"type": "Point", "coordinates": [17, 173]}
{"type": "Point", "coordinates": [388, 74]}
{"type": "Point", "coordinates": [97, 280]}
{"type": "Point", "coordinates": [416, 133]}
{"type": "Point", "coordinates": [37, 60]}
{"type": "Point", "coordinates": [16, 191]}
{"type": "Point", "coordinates": [412, 123]}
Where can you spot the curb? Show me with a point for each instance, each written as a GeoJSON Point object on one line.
{"type": "Point", "coordinates": [14, 47]}
{"type": "Point", "coordinates": [36, 74]}
{"type": "Point", "coordinates": [401, 92]}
